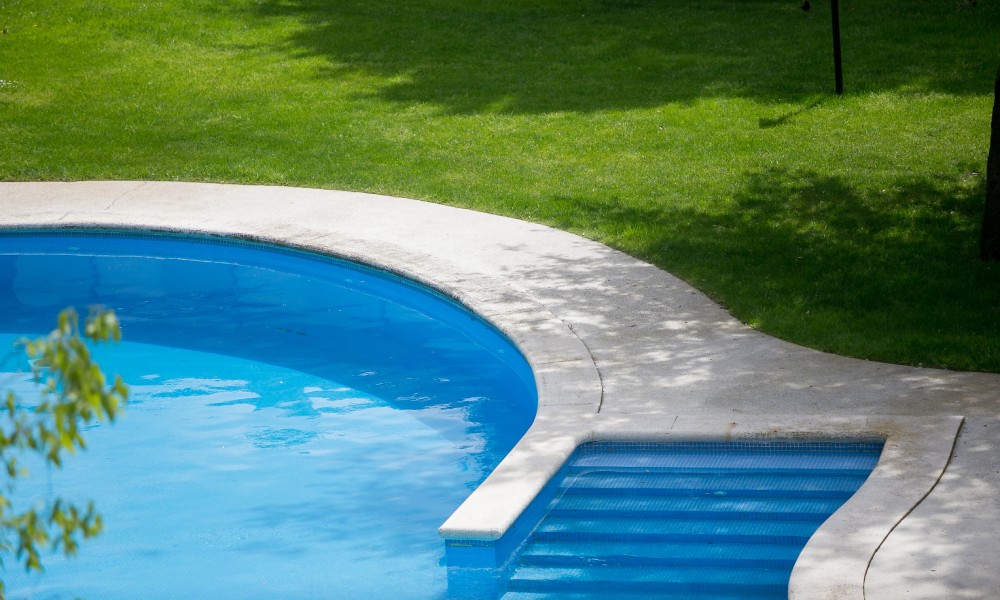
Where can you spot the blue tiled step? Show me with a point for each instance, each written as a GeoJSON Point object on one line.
{"type": "Point", "coordinates": [660, 554]}
{"type": "Point", "coordinates": [698, 521]}
{"type": "Point", "coordinates": [723, 507]}
{"type": "Point", "coordinates": [713, 484]}
{"type": "Point", "coordinates": [636, 594]}
{"type": "Point", "coordinates": [665, 530]}
{"type": "Point", "coordinates": [638, 579]}
{"type": "Point", "coordinates": [798, 461]}
{"type": "Point", "coordinates": [576, 471]}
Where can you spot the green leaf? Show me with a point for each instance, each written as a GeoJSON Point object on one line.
{"type": "Point", "coordinates": [73, 389]}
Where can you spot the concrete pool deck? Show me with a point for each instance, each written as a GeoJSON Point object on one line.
{"type": "Point", "coordinates": [624, 350]}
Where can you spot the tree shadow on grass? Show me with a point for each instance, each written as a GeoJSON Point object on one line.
{"type": "Point", "coordinates": [557, 55]}
{"type": "Point", "coordinates": [788, 116]}
{"type": "Point", "coordinates": [812, 258]}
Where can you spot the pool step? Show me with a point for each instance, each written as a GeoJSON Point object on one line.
{"type": "Point", "coordinates": [635, 594]}
{"type": "Point", "coordinates": [669, 530]}
{"type": "Point", "coordinates": [669, 482]}
{"type": "Point", "coordinates": [712, 507]}
{"type": "Point", "coordinates": [682, 523]}
{"type": "Point", "coordinates": [639, 579]}
{"type": "Point", "coordinates": [658, 554]}
{"type": "Point", "coordinates": [790, 461]}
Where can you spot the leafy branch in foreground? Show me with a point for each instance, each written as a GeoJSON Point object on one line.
{"type": "Point", "coordinates": [74, 392]}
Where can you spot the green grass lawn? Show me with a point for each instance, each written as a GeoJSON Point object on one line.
{"type": "Point", "coordinates": [700, 135]}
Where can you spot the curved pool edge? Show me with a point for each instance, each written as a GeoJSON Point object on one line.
{"type": "Point", "coordinates": [570, 387]}
{"type": "Point", "coordinates": [565, 373]}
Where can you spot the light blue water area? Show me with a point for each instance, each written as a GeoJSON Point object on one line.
{"type": "Point", "coordinates": [297, 428]}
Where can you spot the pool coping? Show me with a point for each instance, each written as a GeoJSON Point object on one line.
{"type": "Point", "coordinates": [570, 384]}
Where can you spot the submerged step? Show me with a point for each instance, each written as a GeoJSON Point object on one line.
{"type": "Point", "coordinates": [751, 531]}
{"type": "Point", "coordinates": [716, 507]}
{"type": "Point", "coordinates": [640, 594]}
{"type": "Point", "coordinates": [662, 554]}
{"type": "Point", "coordinates": [836, 472]}
{"type": "Point", "coordinates": [713, 484]}
{"type": "Point", "coordinates": [803, 460]}
{"type": "Point", "coordinates": [649, 580]}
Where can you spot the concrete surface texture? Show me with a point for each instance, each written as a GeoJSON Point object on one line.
{"type": "Point", "coordinates": [615, 340]}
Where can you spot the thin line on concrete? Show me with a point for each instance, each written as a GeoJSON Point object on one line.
{"type": "Point", "coordinates": [951, 455]}
{"type": "Point", "coordinates": [114, 200]}
{"type": "Point", "coordinates": [600, 375]}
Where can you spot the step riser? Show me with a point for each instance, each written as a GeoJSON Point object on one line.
{"type": "Point", "coordinates": [646, 538]}
{"type": "Point", "coordinates": [727, 472]}
{"type": "Point", "coordinates": [662, 551]}
{"type": "Point", "coordinates": [687, 515]}
{"type": "Point", "coordinates": [639, 561]}
{"type": "Point", "coordinates": [712, 492]}
{"type": "Point", "coordinates": [769, 529]}
{"type": "Point", "coordinates": [642, 587]}
{"type": "Point", "coordinates": [650, 483]}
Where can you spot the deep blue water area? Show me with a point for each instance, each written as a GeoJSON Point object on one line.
{"type": "Point", "coordinates": [298, 427]}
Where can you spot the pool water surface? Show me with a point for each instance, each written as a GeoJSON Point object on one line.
{"type": "Point", "coordinates": [298, 427]}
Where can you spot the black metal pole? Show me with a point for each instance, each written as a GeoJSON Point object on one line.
{"type": "Point", "coordinates": [838, 71]}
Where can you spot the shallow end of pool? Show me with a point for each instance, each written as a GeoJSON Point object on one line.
{"type": "Point", "coordinates": [486, 528]}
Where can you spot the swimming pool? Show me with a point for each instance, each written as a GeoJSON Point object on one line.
{"type": "Point", "coordinates": [299, 426]}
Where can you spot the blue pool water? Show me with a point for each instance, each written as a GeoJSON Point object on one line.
{"type": "Point", "coordinates": [720, 521]}
{"type": "Point", "coordinates": [298, 427]}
